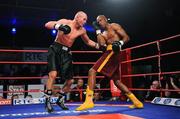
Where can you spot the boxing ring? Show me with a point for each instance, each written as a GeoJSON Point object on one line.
{"type": "Point", "coordinates": [102, 109]}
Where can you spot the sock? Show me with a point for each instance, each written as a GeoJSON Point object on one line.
{"type": "Point", "coordinates": [89, 94]}
{"type": "Point", "coordinates": [88, 101]}
{"type": "Point", "coordinates": [49, 92]}
{"type": "Point", "coordinates": [136, 102]}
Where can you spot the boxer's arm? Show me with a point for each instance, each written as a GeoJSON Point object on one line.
{"type": "Point", "coordinates": [117, 45]}
{"type": "Point", "coordinates": [88, 41]}
{"type": "Point", "coordinates": [101, 40]}
{"type": "Point", "coordinates": [59, 25]}
{"type": "Point", "coordinates": [121, 32]}
{"type": "Point", "coordinates": [50, 24]}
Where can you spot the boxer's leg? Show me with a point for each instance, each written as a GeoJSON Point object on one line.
{"type": "Point", "coordinates": [66, 73]}
{"type": "Point", "coordinates": [49, 86]}
{"type": "Point", "coordinates": [61, 99]}
{"type": "Point", "coordinates": [89, 91]}
{"type": "Point", "coordinates": [129, 94]}
{"type": "Point", "coordinates": [98, 67]}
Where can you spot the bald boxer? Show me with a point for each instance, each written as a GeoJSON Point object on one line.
{"type": "Point", "coordinates": [59, 56]}
{"type": "Point", "coordinates": [112, 39]}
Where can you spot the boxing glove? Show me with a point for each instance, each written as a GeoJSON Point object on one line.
{"type": "Point", "coordinates": [116, 46]}
{"type": "Point", "coordinates": [64, 28]}
{"type": "Point", "coordinates": [96, 27]}
{"type": "Point", "coordinates": [102, 48]}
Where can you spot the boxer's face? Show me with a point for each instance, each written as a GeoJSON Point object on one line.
{"type": "Point", "coordinates": [82, 20]}
{"type": "Point", "coordinates": [102, 21]}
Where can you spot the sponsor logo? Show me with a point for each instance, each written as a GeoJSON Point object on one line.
{"type": "Point", "coordinates": [157, 100]}
{"type": "Point", "coordinates": [167, 101]}
{"type": "Point", "coordinates": [23, 101]}
{"type": "Point", "coordinates": [177, 102]}
{"type": "Point", "coordinates": [15, 89]}
{"type": "Point", "coordinates": [5, 102]}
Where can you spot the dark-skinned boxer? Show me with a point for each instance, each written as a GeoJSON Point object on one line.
{"type": "Point", "coordinates": [112, 38]}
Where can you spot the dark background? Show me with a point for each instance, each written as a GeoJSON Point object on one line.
{"type": "Point", "coordinates": [144, 20]}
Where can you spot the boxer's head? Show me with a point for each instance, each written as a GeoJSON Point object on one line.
{"type": "Point", "coordinates": [81, 18]}
{"type": "Point", "coordinates": [102, 21]}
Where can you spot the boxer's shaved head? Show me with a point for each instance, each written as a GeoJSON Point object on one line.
{"type": "Point", "coordinates": [80, 14]}
{"type": "Point", "coordinates": [101, 17]}
{"type": "Point", "coordinates": [102, 21]}
{"type": "Point", "coordinates": [80, 18]}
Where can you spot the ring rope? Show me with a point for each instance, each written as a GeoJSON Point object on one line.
{"type": "Point", "coordinates": [149, 57]}
{"type": "Point", "coordinates": [170, 53]}
{"type": "Point", "coordinates": [45, 51]}
{"type": "Point", "coordinates": [139, 59]}
{"type": "Point", "coordinates": [37, 91]}
{"type": "Point", "coordinates": [124, 76]}
{"type": "Point", "coordinates": [168, 38]}
{"type": "Point", "coordinates": [18, 62]}
{"type": "Point", "coordinates": [133, 60]}
{"type": "Point", "coordinates": [38, 77]}
{"type": "Point", "coordinates": [151, 74]}
{"type": "Point", "coordinates": [102, 89]}
{"type": "Point", "coordinates": [153, 42]}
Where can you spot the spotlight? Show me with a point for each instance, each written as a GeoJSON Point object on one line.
{"type": "Point", "coordinates": [53, 32]}
{"type": "Point", "coordinates": [13, 31]}
{"type": "Point", "coordinates": [89, 28]}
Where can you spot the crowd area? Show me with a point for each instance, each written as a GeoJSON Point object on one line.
{"type": "Point", "coordinates": [171, 82]}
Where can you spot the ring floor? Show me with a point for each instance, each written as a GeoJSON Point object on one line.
{"type": "Point", "coordinates": [102, 110]}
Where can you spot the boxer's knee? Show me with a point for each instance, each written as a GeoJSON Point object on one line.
{"type": "Point", "coordinates": [92, 72]}
{"type": "Point", "coordinates": [52, 75]}
{"type": "Point", "coordinates": [67, 85]}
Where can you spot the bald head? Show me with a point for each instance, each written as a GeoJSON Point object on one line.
{"type": "Point", "coordinates": [80, 14]}
{"type": "Point", "coordinates": [102, 21]}
{"type": "Point", "coordinates": [101, 17]}
{"type": "Point", "coordinates": [80, 18]}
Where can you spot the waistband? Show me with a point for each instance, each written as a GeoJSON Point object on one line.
{"type": "Point", "coordinates": [109, 47]}
{"type": "Point", "coordinates": [63, 47]}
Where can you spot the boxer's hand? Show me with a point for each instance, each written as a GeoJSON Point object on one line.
{"type": "Point", "coordinates": [116, 46]}
{"type": "Point", "coordinates": [96, 27]}
{"type": "Point", "coordinates": [64, 28]}
{"type": "Point", "coordinates": [103, 48]}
